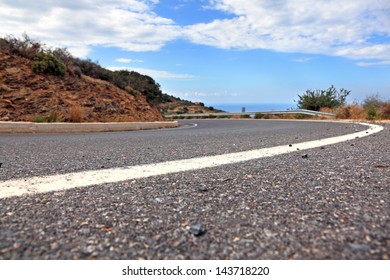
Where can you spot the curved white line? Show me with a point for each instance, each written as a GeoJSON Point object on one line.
{"type": "Point", "coordinates": [68, 181]}
{"type": "Point", "coordinates": [185, 126]}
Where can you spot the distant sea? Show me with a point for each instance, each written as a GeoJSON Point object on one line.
{"type": "Point", "coordinates": [237, 108]}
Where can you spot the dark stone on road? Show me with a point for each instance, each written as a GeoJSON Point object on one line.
{"type": "Point", "coordinates": [197, 230]}
{"type": "Point", "coordinates": [359, 247]}
{"type": "Point", "coordinates": [203, 188]}
{"type": "Point", "coordinates": [305, 156]}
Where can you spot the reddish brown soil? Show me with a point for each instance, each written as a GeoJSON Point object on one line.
{"type": "Point", "coordinates": [25, 95]}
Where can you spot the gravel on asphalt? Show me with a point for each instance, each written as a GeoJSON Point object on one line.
{"type": "Point", "coordinates": [47, 154]}
{"type": "Point", "coordinates": [332, 204]}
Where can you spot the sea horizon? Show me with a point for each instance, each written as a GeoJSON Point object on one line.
{"type": "Point", "coordinates": [237, 108]}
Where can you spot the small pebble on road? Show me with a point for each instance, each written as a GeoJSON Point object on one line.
{"type": "Point", "coordinates": [203, 188]}
{"type": "Point", "coordinates": [197, 230]}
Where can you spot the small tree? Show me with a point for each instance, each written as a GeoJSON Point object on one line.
{"type": "Point", "coordinates": [317, 99]}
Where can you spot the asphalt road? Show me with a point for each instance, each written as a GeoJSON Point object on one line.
{"type": "Point", "coordinates": [332, 204]}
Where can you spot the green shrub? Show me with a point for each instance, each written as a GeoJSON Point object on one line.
{"type": "Point", "coordinates": [184, 110]}
{"type": "Point", "coordinates": [299, 116]}
{"type": "Point", "coordinates": [64, 56]}
{"type": "Point", "coordinates": [259, 116]}
{"type": "Point", "coordinates": [53, 117]}
{"type": "Point", "coordinates": [38, 119]}
{"type": "Point", "coordinates": [132, 92]}
{"type": "Point", "coordinates": [165, 98]}
{"type": "Point", "coordinates": [317, 99]}
{"type": "Point", "coordinates": [372, 113]}
{"type": "Point", "coordinates": [48, 64]}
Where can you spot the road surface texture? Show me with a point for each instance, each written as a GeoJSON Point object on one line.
{"type": "Point", "coordinates": [330, 202]}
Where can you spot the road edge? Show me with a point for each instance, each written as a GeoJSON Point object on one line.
{"type": "Point", "coordinates": [31, 127]}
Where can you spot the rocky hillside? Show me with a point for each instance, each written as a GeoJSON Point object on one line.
{"type": "Point", "coordinates": [29, 96]}
{"type": "Point", "coordinates": [49, 85]}
{"type": "Point", "coordinates": [175, 105]}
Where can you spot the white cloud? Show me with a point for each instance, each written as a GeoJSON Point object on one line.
{"type": "Point", "coordinates": [157, 74]}
{"type": "Point", "coordinates": [196, 95]}
{"type": "Point", "coordinates": [128, 24]}
{"type": "Point", "coordinates": [331, 27]}
{"type": "Point", "coordinates": [127, 60]}
{"type": "Point", "coordinates": [81, 51]}
{"type": "Point", "coordinates": [377, 51]}
{"type": "Point", "coordinates": [302, 59]}
{"type": "Point", "coordinates": [373, 63]}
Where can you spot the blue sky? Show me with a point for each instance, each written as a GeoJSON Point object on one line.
{"type": "Point", "coordinates": [223, 51]}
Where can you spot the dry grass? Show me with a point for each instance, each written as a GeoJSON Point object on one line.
{"type": "Point", "coordinates": [357, 112]}
{"type": "Point", "coordinates": [385, 111]}
{"type": "Point", "coordinates": [76, 113]}
{"type": "Point", "coordinates": [352, 112]}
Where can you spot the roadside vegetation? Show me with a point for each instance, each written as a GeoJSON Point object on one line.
{"type": "Point", "coordinates": [331, 100]}
{"type": "Point", "coordinates": [51, 118]}
{"type": "Point", "coordinates": [316, 99]}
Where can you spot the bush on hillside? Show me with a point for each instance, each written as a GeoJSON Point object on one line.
{"type": "Point", "coordinates": [64, 55]}
{"type": "Point", "coordinates": [144, 84]}
{"type": "Point", "coordinates": [166, 98]}
{"type": "Point", "coordinates": [93, 69]}
{"type": "Point", "coordinates": [122, 79]}
{"type": "Point", "coordinates": [25, 47]}
{"type": "Point", "coordinates": [48, 64]}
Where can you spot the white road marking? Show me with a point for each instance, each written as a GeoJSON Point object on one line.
{"type": "Point", "coordinates": [34, 185]}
